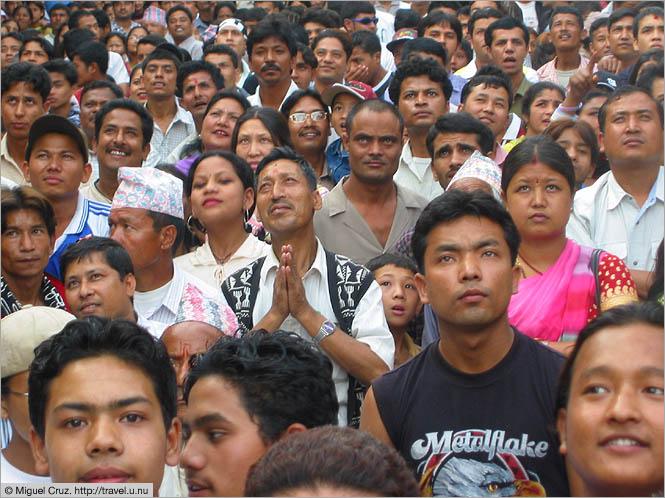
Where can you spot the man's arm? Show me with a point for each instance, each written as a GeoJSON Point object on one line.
{"type": "Point", "coordinates": [643, 280]}
{"type": "Point", "coordinates": [370, 419]}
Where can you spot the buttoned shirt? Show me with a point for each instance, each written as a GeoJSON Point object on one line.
{"type": "Point", "coordinates": [116, 28]}
{"type": "Point", "coordinates": [10, 170]}
{"type": "Point", "coordinates": [191, 44]}
{"type": "Point", "coordinates": [343, 230]}
{"type": "Point", "coordinates": [416, 174]}
{"type": "Point", "coordinates": [470, 70]}
{"type": "Point", "coordinates": [607, 217]}
{"type": "Point", "coordinates": [516, 108]}
{"type": "Point", "coordinates": [369, 324]}
{"type": "Point", "coordinates": [162, 144]}
{"type": "Point", "coordinates": [547, 72]}
{"type": "Point", "coordinates": [256, 98]}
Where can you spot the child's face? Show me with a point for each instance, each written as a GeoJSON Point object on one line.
{"type": "Point", "coordinates": [103, 423]}
{"type": "Point", "coordinates": [400, 296]}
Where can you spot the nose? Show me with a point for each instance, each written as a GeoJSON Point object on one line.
{"type": "Point", "coordinates": [623, 406]}
{"type": "Point", "coordinates": [26, 243]}
{"type": "Point", "coordinates": [420, 98]}
{"type": "Point", "coordinates": [398, 292]}
{"type": "Point", "coordinates": [458, 158]}
{"type": "Point", "coordinates": [538, 197]}
{"type": "Point", "coordinates": [572, 153]}
{"type": "Point", "coordinates": [191, 457]}
{"type": "Point", "coordinates": [84, 289]}
{"type": "Point", "coordinates": [181, 371]}
{"type": "Point", "coordinates": [469, 269]}
{"type": "Point", "coordinates": [103, 437]}
{"type": "Point", "coordinates": [375, 148]}
{"type": "Point", "coordinates": [20, 108]}
{"type": "Point", "coordinates": [254, 149]}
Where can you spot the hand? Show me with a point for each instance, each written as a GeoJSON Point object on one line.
{"type": "Point", "coordinates": [297, 300]}
{"type": "Point", "coordinates": [583, 81]}
{"type": "Point", "coordinates": [610, 64]}
{"type": "Point", "coordinates": [360, 73]}
{"type": "Point", "coordinates": [280, 299]}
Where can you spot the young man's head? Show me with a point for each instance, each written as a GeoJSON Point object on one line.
{"type": "Point", "coordinates": [272, 50]}
{"type": "Point", "coordinates": [367, 52]}
{"type": "Point", "coordinates": [374, 139]}
{"type": "Point", "coordinates": [567, 29]}
{"type": "Point", "coordinates": [226, 60]}
{"type": "Point", "coordinates": [332, 50]}
{"type": "Point", "coordinates": [197, 82]}
{"type": "Point", "coordinates": [396, 277]}
{"type": "Point", "coordinates": [341, 99]}
{"type": "Point", "coordinates": [651, 80]}
{"type": "Point", "coordinates": [599, 41]}
{"type": "Point", "coordinates": [466, 245]}
{"type": "Point", "coordinates": [304, 66]}
{"type": "Point", "coordinates": [160, 73]}
{"type": "Point", "coordinates": [508, 42]}
{"type": "Point", "coordinates": [146, 45]}
{"type": "Point", "coordinates": [123, 11]}
{"type": "Point", "coordinates": [99, 279]}
{"type": "Point", "coordinates": [58, 15]}
{"type": "Point", "coordinates": [91, 61]}
{"type": "Point", "coordinates": [36, 50]}
{"type": "Point", "coordinates": [83, 19]}
{"type": "Point", "coordinates": [56, 158]}
{"type": "Point", "coordinates": [444, 28]}
{"type": "Point", "coordinates": [359, 16]}
{"type": "Point", "coordinates": [452, 139]}
{"type": "Point", "coordinates": [180, 22]}
{"type": "Point", "coordinates": [25, 88]}
{"type": "Point", "coordinates": [421, 91]}
{"type": "Point", "coordinates": [64, 77]}
{"type": "Point", "coordinates": [317, 20]}
{"type": "Point", "coordinates": [255, 390]}
{"type": "Point", "coordinates": [648, 29]}
{"type": "Point", "coordinates": [620, 28]}
{"type": "Point", "coordinates": [103, 404]}
{"type": "Point", "coordinates": [11, 45]}
{"type": "Point", "coordinates": [425, 48]}
{"type": "Point", "coordinates": [309, 124]}
{"type": "Point", "coordinates": [232, 32]}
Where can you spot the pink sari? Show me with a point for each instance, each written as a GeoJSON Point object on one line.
{"type": "Point", "coordinates": [555, 305]}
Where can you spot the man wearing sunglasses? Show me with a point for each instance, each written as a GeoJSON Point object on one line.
{"type": "Point", "coordinates": [309, 127]}
{"type": "Point", "coordinates": [361, 16]}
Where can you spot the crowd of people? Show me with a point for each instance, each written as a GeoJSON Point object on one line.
{"type": "Point", "coordinates": [334, 248]}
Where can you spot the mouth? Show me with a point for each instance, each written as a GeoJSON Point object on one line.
{"type": "Point", "coordinates": [451, 173]}
{"type": "Point", "coordinates": [211, 202]}
{"type": "Point", "coordinates": [19, 126]}
{"type": "Point", "coordinates": [52, 180]}
{"type": "Point", "coordinates": [509, 61]}
{"type": "Point", "coordinates": [398, 310]}
{"type": "Point", "coordinates": [142, 95]}
{"type": "Point", "coordinates": [422, 114]}
{"type": "Point", "coordinates": [375, 164]}
{"type": "Point", "coordinates": [108, 474]}
{"type": "Point", "coordinates": [28, 261]}
{"type": "Point", "coordinates": [279, 208]}
{"type": "Point", "coordinates": [88, 308]}
{"type": "Point", "coordinates": [221, 133]}
{"type": "Point", "coordinates": [196, 488]}
{"type": "Point", "coordinates": [623, 443]}
{"type": "Point", "coordinates": [633, 142]}
{"type": "Point", "coordinates": [309, 134]}
{"type": "Point", "coordinates": [538, 218]}
{"type": "Point", "coordinates": [487, 120]}
{"type": "Point", "coordinates": [472, 296]}
{"type": "Point", "coordinates": [117, 153]}
{"type": "Point", "coordinates": [564, 36]}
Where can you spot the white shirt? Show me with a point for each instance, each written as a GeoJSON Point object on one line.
{"type": "Point", "coordinates": [470, 70]}
{"type": "Point", "coordinates": [11, 474]}
{"type": "Point", "coordinates": [529, 14]}
{"type": "Point", "coordinates": [415, 173]}
{"type": "Point", "coordinates": [117, 69]}
{"type": "Point", "coordinates": [162, 144]}
{"type": "Point", "coordinates": [369, 325]}
{"type": "Point", "coordinates": [607, 217]}
{"type": "Point", "coordinates": [10, 170]}
{"type": "Point", "coordinates": [191, 44]}
{"type": "Point", "coordinates": [256, 98]}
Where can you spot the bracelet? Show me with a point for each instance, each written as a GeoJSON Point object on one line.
{"type": "Point", "coordinates": [569, 109]}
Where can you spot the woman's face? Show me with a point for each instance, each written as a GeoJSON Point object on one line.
{"type": "Point", "coordinates": [218, 193]}
{"type": "Point", "coordinates": [579, 152]}
{"type": "Point", "coordinates": [611, 430]}
{"type": "Point", "coordinates": [539, 200]}
{"type": "Point", "coordinates": [542, 108]}
{"type": "Point", "coordinates": [115, 44]}
{"type": "Point", "coordinates": [37, 13]}
{"type": "Point", "coordinates": [15, 406]}
{"type": "Point", "coordinates": [254, 142]}
{"type": "Point", "coordinates": [134, 37]}
{"type": "Point", "coordinates": [136, 89]}
{"type": "Point", "coordinates": [22, 17]}
{"type": "Point", "coordinates": [218, 124]}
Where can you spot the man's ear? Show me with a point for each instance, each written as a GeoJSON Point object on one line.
{"type": "Point", "coordinates": [294, 428]}
{"type": "Point", "coordinates": [87, 171]}
{"type": "Point", "coordinates": [38, 449]}
{"type": "Point", "coordinates": [348, 25]}
{"type": "Point", "coordinates": [146, 151]}
{"type": "Point", "coordinates": [173, 442]}
{"type": "Point", "coordinates": [130, 284]}
{"type": "Point", "coordinates": [421, 285]}
{"type": "Point", "coordinates": [168, 235]}
{"type": "Point", "coordinates": [517, 276]}
{"type": "Point", "coordinates": [316, 198]}
{"type": "Point", "coordinates": [561, 429]}
{"type": "Point", "coordinates": [26, 171]}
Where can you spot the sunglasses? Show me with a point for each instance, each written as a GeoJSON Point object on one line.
{"type": "Point", "coordinates": [300, 117]}
{"type": "Point", "coordinates": [367, 20]}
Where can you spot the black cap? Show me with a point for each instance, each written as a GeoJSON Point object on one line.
{"type": "Point", "coordinates": [52, 123]}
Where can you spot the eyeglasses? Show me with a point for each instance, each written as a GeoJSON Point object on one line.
{"type": "Point", "coordinates": [367, 20]}
{"type": "Point", "coordinates": [299, 117]}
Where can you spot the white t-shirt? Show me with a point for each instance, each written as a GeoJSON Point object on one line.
{"type": "Point", "coordinates": [117, 69]}
{"type": "Point", "coordinates": [11, 474]}
{"type": "Point", "coordinates": [529, 14]}
{"type": "Point", "coordinates": [148, 302]}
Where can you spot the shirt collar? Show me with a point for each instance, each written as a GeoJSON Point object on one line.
{"type": "Point", "coordinates": [272, 263]}
{"type": "Point", "coordinates": [4, 152]}
{"type": "Point", "coordinates": [174, 294]}
{"type": "Point", "coordinates": [78, 221]}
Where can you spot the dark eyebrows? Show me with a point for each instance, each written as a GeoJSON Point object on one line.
{"type": "Point", "coordinates": [206, 419]}
{"type": "Point", "coordinates": [486, 243]}
{"type": "Point", "coordinates": [113, 405]}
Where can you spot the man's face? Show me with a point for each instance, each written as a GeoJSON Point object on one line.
{"type": "Point", "coordinates": [341, 107]}
{"type": "Point", "coordinates": [633, 131]}
{"type": "Point", "coordinates": [365, 23]}
{"type": "Point", "coordinates": [58, 17]}
{"type": "Point", "coordinates": [271, 61]}
{"type": "Point", "coordinates": [469, 277]}
{"type": "Point", "coordinates": [421, 102]}
{"type": "Point", "coordinates": [445, 35]}
{"type": "Point", "coordinates": [154, 27]}
{"type": "Point", "coordinates": [86, 72]}
{"type": "Point", "coordinates": [179, 26]}
{"type": "Point", "coordinates": [90, 22]}
{"type": "Point", "coordinates": [566, 32]}
{"type": "Point", "coordinates": [233, 38]}
{"type": "Point", "coordinates": [104, 423]}
{"type": "Point", "coordinates": [21, 105]}
{"type": "Point", "coordinates": [120, 141]}
{"type": "Point", "coordinates": [133, 229]}
{"type": "Point", "coordinates": [56, 167]}
{"type": "Point", "coordinates": [375, 144]}
{"type": "Point", "coordinates": [313, 29]}
{"type": "Point", "coordinates": [490, 105]}
{"type": "Point", "coordinates": [94, 288]}
{"type": "Point", "coordinates": [91, 102]}
{"type": "Point", "coordinates": [621, 38]}
{"type": "Point", "coordinates": [225, 65]}
{"type": "Point", "coordinates": [302, 73]}
{"type": "Point", "coordinates": [197, 90]}
{"type": "Point", "coordinates": [184, 340]}
{"type": "Point", "coordinates": [579, 152]}
{"type": "Point", "coordinates": [508, 50]}
{"type": "Point", "coordinates": [143, 50]}
{"type": "Point", "coordinates": [658, 90]}
{"type": "Point", "coordinates": [33, 52]}
{"type": "Point", "coordinates": [123, 10]}
{"type": "Point", "coordinates": [309, 136]}
{"type": "Point", "coordinates": [451, 149]}
{"type": "Point", "coordinates": [361, 58]}
{"type": "Point", "coordinates": [10, 47]}
{"type": "Point", "coordinates": [159, 78]}
{"type": "Point", "coordinates": [649, 34]}
{"type": "Point", "coordinates": [284, 201]}
{"type": "Point", "coordinates": [600, 43]}
{"type": "Point", "coordinates": [331, 59]}
{"type": "Point", "coordinates": [61, 91]}
{"type": "Point", "coordinates": [26, 244]}
{"type": "Point", "coordinates": [222, 440]}
{"type": "Point", "coordinates": [223, 13]}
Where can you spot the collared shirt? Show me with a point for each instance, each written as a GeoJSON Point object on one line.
{"type": "Point", "coordinates": [174, 155]}
{"type": "Point", "coordinates": [246, 71]}
{"type": "Point", "coordinates": [256, 98]}
{"type": "Point", "coordinates": [369, 324]}
{"type": "Point", "coordinates": [90, 218]}
{"type": "Point", "coordinates": [200, 24]}
{"type": "Point", "coordinates": [155, 328]}
{"type": "Point", "coordinates": [117, 69]}
{"type": "Point", "coordinates": [547, 72]}
{"type": "Point", "coordinates": [415, 173]}
{"type": "Point", "coordinates": [607, 217]}
{"type": "Point", "coordinates": [381, 89]}
{"type": "Point", "coordinates": [162, 143]}
{"type": "Point", "coordinates": [74, 111]}
{"type": "Point", "coordinates": [458, 84]}
{"type": "Point", "coordinates": [516, 108]}
{"type": "Point", "coordinates": [202, 263]}
{"type": "Point", "coordinates": [90, 191]}
{"type": "Point", "coordinates": [337, 158]}
{"type": "Point", "coordinates": [343, 230]}
{"type": "Point", "coordinates": [470, 70]}
{"type": "Point", "coordinates": [116, 28]}
{"type": "Point", "coordinates": [10, 170]}
{"type": "Point", "coordinates": [191, 44]}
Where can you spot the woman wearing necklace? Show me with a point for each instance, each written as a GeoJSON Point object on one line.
{"type": "Point", "coordinates": [557, 294]}
{"type": "Point", "coordinates": [220, 187]}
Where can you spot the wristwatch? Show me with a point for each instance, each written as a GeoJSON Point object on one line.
{"type": "Point", "coordinates": [326, 329]}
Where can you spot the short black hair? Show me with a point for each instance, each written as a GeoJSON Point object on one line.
{"type": "Point", "coordinates": [455, 204]}
{"type": "Point", "coordinates": [94, 337]}
{"type": "Point", "coordinates": [46, 46]}
{"type": "Point", "coordinates": [74, 38]}
{"type": "Point", "coordinates": [620, 92]}
{"type": "Point", "coordinates": [280, 378]}
{"type": "Point", "coordinates": [75, 16]}
{"type": "Point", "coordinates": [220, 5]}
{"type": "Point", "coordinates": [406, 18]}
{"type": "Point", "coordinates": [652, 55]}
{"type": "Point", "coordinates": [366, 40]}
{"type": "Point", "coordinates": [147, 123]}
{"type": "Point", "coordinates": [649, 11]}
{"type": "Point", "coordinates": [439, 17]}
{"type": "Point", "coordinates": [61, 66]}
{"type": "Point", "coordinates": [36, 77]}
{"type": "Point", "coordinates": [506, 23]}
{"type": "Point", "coordinates": [586, 132]}
{"type": "Point", "coordinates": [296, 96]}
{"type": "Point", "coordinates": [307, 55]}
{"type": "Point", "coordinates": [417, 66]}
{"type": "Point", "coordinates": [151, 39]}
{"type": "Point", "coordinates": [647, 313]}
{"type": "Point", "coordinates": [650, 74]}
{"type": "Point", "coordinates": [96, 85]}
{"type": "Point", "coordinates": [334, 33]}
{"type": "Point", "coordinates": [271, 28]}
{"type": "Point", "coordinates": [60, 6]}
{"type": "Point", "coordinates": [222, 48]}
{"type": "Point", "coordinates": [93, 51]}
{"type": "Point", "coordinates": [118, 34]}
{"type": "Point", "coordinates": [596, 25]}
{"type": "Point", "coordinates": [251, 14]}
{"type": "Point", "coordinates": [350, 10]}
{"type": "Point", "coordinates": [568, 9]}
{"type": "Point", "coordinates": [490, 76]}
{"type": "Point", "coordinates": [26, 197]}
{"type": "Point", "coordinates": [619, 14]}
{"type": "Point", "coordinates": [461, 122]}
{"type": "Point", "coordinates": [196, 66]}
{"type": "Point", "coordinates": [541, 149]}
{"type": "Point", "coordinates": [162, 54]}
{"type": "Point", "coordinates": [326, 17]}
{"type": "Point", "coordinates": [176, 8]}
{"type": "Point", "coordinates": [113, 253]}
{"type": "Point", "coordinates": [13, 34]}
{"type": "Point", "coordinates": [373, 105]}
{"type": "Point", "coordinates": [288, 154]}
{"type": "Point", "coordinates": [536, 89]}
{"type": "Point", "coordinates": [426, 46]}
{"type": "Point", "coordinates": [387, 258]}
